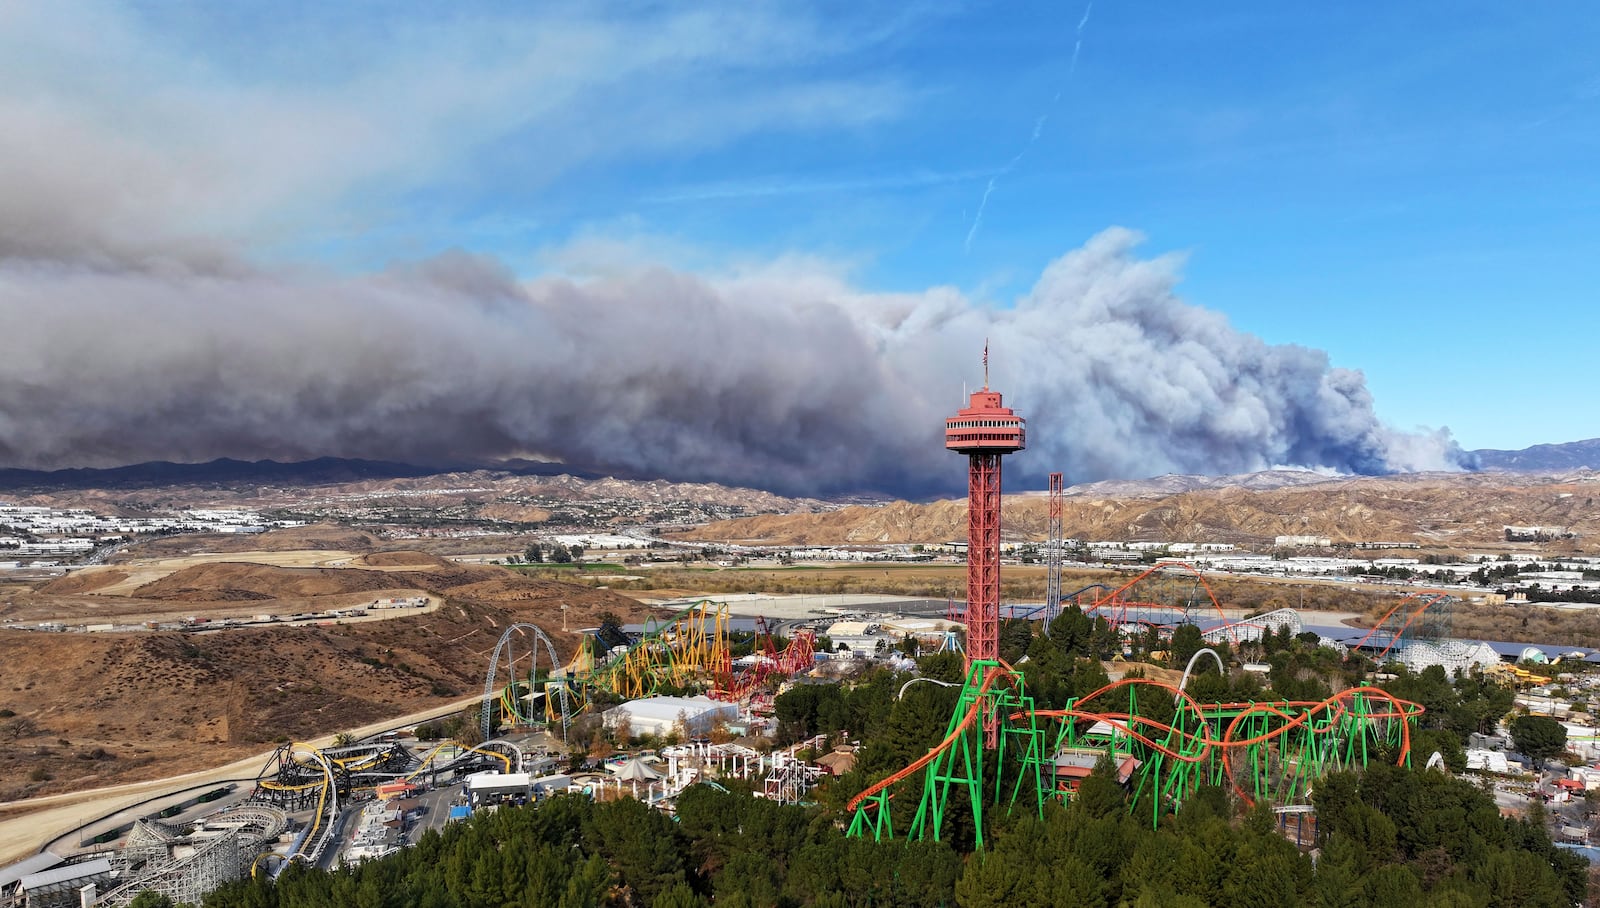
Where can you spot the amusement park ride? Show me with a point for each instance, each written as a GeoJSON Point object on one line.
{"type": "Point", "coordinates": [527, 686]}
{"type": "Point", "coordinates": [999, 749]}
{"type": "Point", "coordinates": [690, 648]}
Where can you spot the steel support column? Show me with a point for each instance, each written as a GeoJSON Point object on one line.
{"type": "Point", "coordinates": [983, 559]}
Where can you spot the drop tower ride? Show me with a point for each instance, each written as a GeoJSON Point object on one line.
{"type": "Point", "coordinates": [985, 431]}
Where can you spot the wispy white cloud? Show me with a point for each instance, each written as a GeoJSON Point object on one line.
{"type": "Point", "coordinates": [140, 143]}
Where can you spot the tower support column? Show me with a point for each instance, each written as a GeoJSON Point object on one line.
{"type": "Point", "coordinates": [983, 558]}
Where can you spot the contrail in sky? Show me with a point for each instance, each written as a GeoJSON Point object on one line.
{"type": "Point", "coordinates": [1038, 128]}
{"type": "Point", "coordinates": [1078, 46]}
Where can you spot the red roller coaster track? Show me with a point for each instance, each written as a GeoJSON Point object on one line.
{"type": "Point", "coordinates": [798, 656]}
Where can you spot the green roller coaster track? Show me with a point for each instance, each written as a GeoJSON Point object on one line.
{"type": "Point", "coordinates": [1271, 751]}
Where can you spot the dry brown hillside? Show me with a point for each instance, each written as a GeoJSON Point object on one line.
{"type": "Point", "coordinates": [79, 710]}
{"type": "Point", "coordinates": [232, 580]}
{"type": "Point", "coordinates": [1432, 509]}
{"type": "Point", "coordinates": [405, 559]}
{"type": "Point", "coordinates": [329, 536]}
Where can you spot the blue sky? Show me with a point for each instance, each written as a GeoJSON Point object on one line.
{"type": "Point", "coordinates": [1411, 187]}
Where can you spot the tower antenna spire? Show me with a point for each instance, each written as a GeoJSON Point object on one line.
{"type": "Point", "coordinates": [986, 364]}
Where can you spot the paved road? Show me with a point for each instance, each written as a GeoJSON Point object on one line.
{"type": "Point", "coordinates": [435, 810]}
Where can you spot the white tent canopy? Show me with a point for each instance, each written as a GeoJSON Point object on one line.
{"type": "Point", "coordinates": [635, 770]}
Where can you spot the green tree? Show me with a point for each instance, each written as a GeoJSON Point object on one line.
{"type": "Point", "coordinates": [680, 895]}
{"type": "Point", "coordinates": [1540, 737]}
{"type": "Point", "coordinates": [991, 881]}
{"type": "Point", "coordinates": [1073, 631]}
{"type": "Point", "coordinates": [1099, 794]}
{"type": "Point", "coordinates": [1186, 641]}
{"type": "Point", "coordinates": [1015, 635]}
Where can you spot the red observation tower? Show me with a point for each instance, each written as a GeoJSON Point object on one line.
{"type": "Point", "coordinates": [985, 431]}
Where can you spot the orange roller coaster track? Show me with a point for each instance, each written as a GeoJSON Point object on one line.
{"type": "Point", "coordinates": [1424, 599]}
{"type": "Point", "coordinates": [1167, 747]}
{"type": "Point", "coordinates": [1115, 605]}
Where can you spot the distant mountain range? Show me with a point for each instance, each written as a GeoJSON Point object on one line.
{"type": "Point", "coordinates": [1556, 458]}
{"type": "Point", "coordinates": [224, 471]}
{"type": "Point", "coordinates": [1574, 455]}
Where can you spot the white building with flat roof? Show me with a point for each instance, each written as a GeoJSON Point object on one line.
{"type": "Point", "coordinates": [664, 715]}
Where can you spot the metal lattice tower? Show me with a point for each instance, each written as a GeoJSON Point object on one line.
{"type": "Point", "coordinates": [1052, 588]}
{"type": "Point", "coordinates": [789, 779]}
{"type": "Point", "coordinates": [985, 431]}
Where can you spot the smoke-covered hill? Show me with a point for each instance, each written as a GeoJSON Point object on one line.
{"type": "Point", "coordinates": [1450, 510]}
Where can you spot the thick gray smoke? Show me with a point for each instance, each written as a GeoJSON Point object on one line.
{"type": "Point", "coordinates": [145, 173]}
{"type": "Point", "coordinates": [784, 379]}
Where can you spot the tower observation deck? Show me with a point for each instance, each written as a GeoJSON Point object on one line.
{"type": "Point", "coordinates": [985, 431]}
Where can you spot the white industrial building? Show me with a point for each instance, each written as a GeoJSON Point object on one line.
{"type": "Point", "coordinates": [1488, 761]}
{"type": "Point", "coordinates": [485, 788]}
{"type": "Point", "coordinates": [1320, 542]}
{"type": "Point", "coordinates": [664, 715]}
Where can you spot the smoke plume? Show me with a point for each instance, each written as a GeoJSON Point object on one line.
{"type": "Point", "coordinates": [154, 186]}
{"type": "Point", "coordinates": [785, 378]}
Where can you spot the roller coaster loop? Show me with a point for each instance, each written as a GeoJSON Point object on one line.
{"type": "Point", "coordinates": [341, 771]}
{"type": "Point", "coordinates": [689, 647]}
{"type": "Point", "coordinates": [1164, 751]}
{"type": "Point", "coordinates": [314, 840]}
{"type": "Point", "coordinates": [486, 713]}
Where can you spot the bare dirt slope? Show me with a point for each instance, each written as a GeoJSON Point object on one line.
{"type": "Point", "coordinates": [82, 582]}
{"type": "Point", "coordinates": [404, 559]}
{"type": "Point", "coordinates": [330, 536]}
{"type": "Point", "coordinates": [226, 581]}
{"type": "Point", "coordinates": [94, 709]}
{"type": "Point", "coordinates": [1430, 509]}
